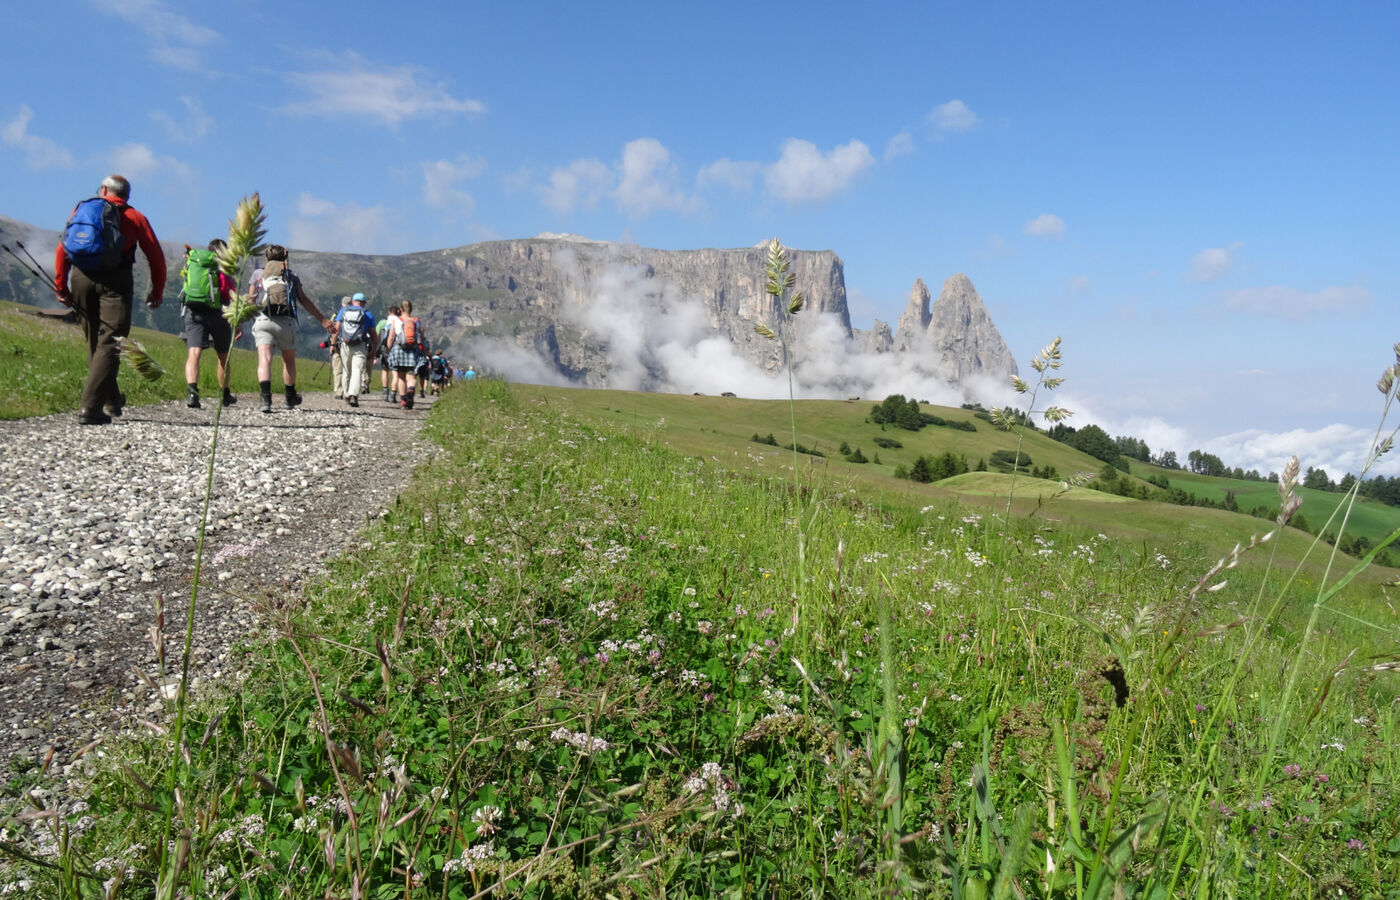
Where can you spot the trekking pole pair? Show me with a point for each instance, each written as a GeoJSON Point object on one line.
{"type": "Point", "coordinates": [33, 267]}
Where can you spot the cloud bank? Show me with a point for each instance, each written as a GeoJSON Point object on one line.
{"type": "Point", "coordinates": [654, 338]}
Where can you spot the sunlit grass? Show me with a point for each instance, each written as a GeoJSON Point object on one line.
{"type": "Point", "coordinates": [43, 363]}
{"type": "Point", "coordinates": [563, 666]}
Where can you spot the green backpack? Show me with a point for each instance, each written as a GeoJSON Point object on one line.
{"type": "Point", "coordinates": [201, 274]}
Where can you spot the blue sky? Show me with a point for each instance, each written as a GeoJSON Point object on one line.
{"type": "Point", "coordinates": [1200, 198]}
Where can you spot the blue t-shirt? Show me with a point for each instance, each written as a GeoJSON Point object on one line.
{"type": "Point", "coordinates": [369, 318]}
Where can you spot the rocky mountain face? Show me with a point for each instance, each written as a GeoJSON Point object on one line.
{"type": "Point", "coordinates": [565, 309]}
{"type": "Point", "coordinates": [957, 331]}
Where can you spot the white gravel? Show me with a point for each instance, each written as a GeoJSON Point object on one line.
{"type": "Point", "coordinates": [98, 522]}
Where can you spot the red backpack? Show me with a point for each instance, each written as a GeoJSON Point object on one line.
{"type": "Point", "coordinates": [412, 333]}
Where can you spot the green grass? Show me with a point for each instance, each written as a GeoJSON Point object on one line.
{"type": "Point", "coordinates": [573, 662]}
{"type": "Point", "coordinates": [43, 363]}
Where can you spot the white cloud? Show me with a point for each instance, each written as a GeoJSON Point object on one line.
{"type": "Point", "coordinates": [901, 144]}
{"type": "Point", "coordinates": [39, 153]}
{"type": "Point", "coordinates": [579, 185]}
{"type": "Point", "coordinates": [1291, 303]}
{"type": "Point", "coordinates": [342, 228]}
{"type": "Point", "coordinates": [1336, 448]}
{"type": "Point", "coordinates": [175, 40]}
{"type": "Point", "coordinates": [440, 179]}
{"type": "Point", "coordinates": [1213, 262]}
{"type": "Point", "coordinates": [953, 116]}
{"type": "Point", "coordinates": [804, 175]}
{"type": "Point", "coordinates": [1046, 225]}
{"type": "Point", "coordinates": [138, 161]}
{"type": "Point", "coordinates": [648, 182]}
{"type": "Point", "coordinates": [188, 126]}
{"type": "Point", "coordinates": [351, 86]}
{"type": "Point", "coordinates": [736, 175]}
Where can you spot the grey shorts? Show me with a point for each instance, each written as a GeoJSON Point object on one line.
{"type": "Point", "coordinates": [205, 326]}
{"type": "Point", "coordinates": [280, 331]}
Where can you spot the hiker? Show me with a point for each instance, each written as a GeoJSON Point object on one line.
{"type": "Point", "coordinates": [382, 333]}
{"type": "Point", "coordinates": [205, 293]}
{"type": "Point", "coordinates": [405, 352]}
{"type": "Point", "coordinates": [437, 366]}
{"type": "Point", "coordinates": [354, 328]}
{"type": "Point", "coordinates": [332, 345]}
{"type": "Point", "coordinates": [93, 274]}
{"type": "Point", "coordinates": [280, 292]}
{"type": "Point", "coordinates": [423, 368]}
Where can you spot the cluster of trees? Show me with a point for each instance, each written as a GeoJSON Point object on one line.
{"type": "Point", "coordinates": [936, 468]}
{"type": "Point", "coordinates": [903, 412]}
{"type": "Point", "coordinates": [856, 456]}
{"type": "Point", "coordinates": [773, 442]}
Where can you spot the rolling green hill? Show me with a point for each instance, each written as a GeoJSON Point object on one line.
{"type": "Point", "coordinates": [721, 428]}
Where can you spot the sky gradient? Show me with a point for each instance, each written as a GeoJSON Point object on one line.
{"type": "Point", "coordinates": [1199, 198]}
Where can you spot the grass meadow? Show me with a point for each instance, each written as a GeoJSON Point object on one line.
{"type": "Point", "coordinates": [43, 363]}
{"type": "Point", "coordinates": [607, 651]}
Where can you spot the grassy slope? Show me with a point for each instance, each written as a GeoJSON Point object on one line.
{"type": "Point", "coordinates": [720, 429]}
{"type": "Point", "coordinates": [43, 363]}
{"type": "Point", "coordinates": [566, 655]}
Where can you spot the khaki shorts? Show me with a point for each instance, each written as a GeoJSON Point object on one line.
{"type": "Point", "coordinates": [275, 330]}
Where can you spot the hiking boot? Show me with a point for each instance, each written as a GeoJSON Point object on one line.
{"type": "Point", "coordinates": [112, 410]}
{"type": "Point", "coordinates": [87, 417]}
{"type": "Point", "coordinates": [394, 397]}
{"type": "Point", "coordinates": [407, 402]}
{"type": "Point", "coordinates": [229, 399]}
{"type": "Point", "coordinates": [386, 395]}
{"type": "Point", "coordinates": [266, 403]}
{"type": "Point", "coordinates": [192, 401]}
{"type": "Point", "coordinates": [353, 400]}
{"type": "Point", "coordinates": [292, 399]}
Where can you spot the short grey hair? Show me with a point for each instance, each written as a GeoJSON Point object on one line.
{"type": "Point", "coordinates": [118, 185]}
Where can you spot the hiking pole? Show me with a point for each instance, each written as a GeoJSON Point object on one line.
{"type": "Point", "coordinates": [42, 270]}
{"type": "Point", "coordinates": [34, 270]}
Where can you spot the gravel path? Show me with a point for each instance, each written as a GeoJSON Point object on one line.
{"type": "Point", "coordinates": [97, 523]}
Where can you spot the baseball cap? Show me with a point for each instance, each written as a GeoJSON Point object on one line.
{"type": "Point", "coordinates": [358, 296]}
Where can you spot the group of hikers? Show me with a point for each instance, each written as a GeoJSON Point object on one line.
{"type": "Point", "coordinates": [93, 274]}
{"type": "Point", "coordinates": [358, 340]}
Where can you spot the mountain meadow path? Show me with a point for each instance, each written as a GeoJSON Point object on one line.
{"type": "Point", "coordinates": [98, 533]}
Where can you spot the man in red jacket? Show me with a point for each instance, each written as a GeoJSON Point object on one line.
{"type": "Point", "coordinates": [103, 300]}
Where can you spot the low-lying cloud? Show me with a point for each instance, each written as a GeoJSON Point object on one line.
{"type": "Point", "coordinates": [655, 338]}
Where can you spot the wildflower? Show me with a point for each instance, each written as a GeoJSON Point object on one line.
{"type": "Point", "coordinates": [1292, 770]}
{"type": "Point", "coordinates": [1354, 844]}
{"type": "Point", "coordinates": [486, 818]}
{"type": "Point", "coordinates": [586, 743]}
{"type": "Point", "coordinates": [704, 626]}
{"type": "Point", "coordinates": [1335, 745]}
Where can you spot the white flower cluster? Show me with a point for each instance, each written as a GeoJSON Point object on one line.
{"type": "Point", "coordinates": [584, 742]}
{"type": "Point", "coordinates": [486, 818]}
{"type": "Point", "coordinates": [471, 857]}
{"type": "Point", "coordinates": [711, 779]}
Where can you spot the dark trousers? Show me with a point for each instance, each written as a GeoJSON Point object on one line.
{"type": "Point", "coordinates": [103, 300]}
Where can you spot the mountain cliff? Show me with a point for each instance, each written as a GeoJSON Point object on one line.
{"type": "Point", "coordinates": [569, 310]}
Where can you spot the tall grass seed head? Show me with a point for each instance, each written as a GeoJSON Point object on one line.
{"type": "Point", "coordinates": [140, 360]}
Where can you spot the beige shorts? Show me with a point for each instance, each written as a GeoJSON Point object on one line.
{"type": "Point", "coordinates": [280, 331]}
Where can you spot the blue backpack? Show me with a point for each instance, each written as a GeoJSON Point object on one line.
{"type": "Point", "coordinates": [93, 236]}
